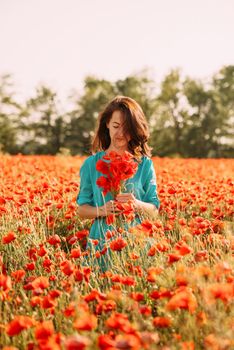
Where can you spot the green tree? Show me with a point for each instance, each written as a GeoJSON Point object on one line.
{"type": "Point", "coordinates": [170, 117]}
{"type": "Point", "coordinates": [198, 139]}
{"type": "Point", "coordinates": [43, 126]}
{"type": "Point", "coordinates": [194, 119]}
{"type": "Point", "coordinates": [141, 88]}
{"type": "Point", "coordinates": [84, 115]}
{"type": "Point", "coordinates": [223, 84]}
{"type": "Point", "coordinates": [9, 110]}
{"type": "Point", "coordinates": [210, 131]}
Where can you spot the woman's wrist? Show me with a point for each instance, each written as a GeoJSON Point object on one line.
{"type": "Point", "coordinates": [101, 212]}
{"type": "Point", "coordinates": [141, 206]}
{"type": "Point", "coordinates": [138, 205]}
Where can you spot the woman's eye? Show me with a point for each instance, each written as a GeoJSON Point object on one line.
{"type": "Point", "coordinates": [115, 127]}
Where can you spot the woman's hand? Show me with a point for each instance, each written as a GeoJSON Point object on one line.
{"type": "Point", "coordinates": [126, 197]}
{"type": "Point", "coordinates": [138, 205]}
{"type": "Point", "coordinates": [108, 208]}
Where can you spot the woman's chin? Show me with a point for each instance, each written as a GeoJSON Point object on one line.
{"type": "Point", "coordinates": [120, 145]}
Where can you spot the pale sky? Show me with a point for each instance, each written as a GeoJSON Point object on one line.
{"type": "Point", "coordinates": [59, 42]}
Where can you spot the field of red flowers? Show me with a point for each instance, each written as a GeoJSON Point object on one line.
{"type": "Point", "coordinates": [171, 286]}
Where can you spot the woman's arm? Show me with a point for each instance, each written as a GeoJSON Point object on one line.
{"type": "Point", "coordinates": [147, 207]}
{"type": "Point", "coordinates": [138, 204]}
{"type": "Point", "coordinates": [87, 211]}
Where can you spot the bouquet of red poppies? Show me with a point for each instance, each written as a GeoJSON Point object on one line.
{"type": "Point", "coordinates": [117, 169]}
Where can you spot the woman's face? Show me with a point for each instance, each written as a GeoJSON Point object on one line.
{"type": "Point", "coordinates": [119, 139]}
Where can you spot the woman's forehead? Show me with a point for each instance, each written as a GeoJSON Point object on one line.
{"type": "Point", "coordinates": [117, 116]}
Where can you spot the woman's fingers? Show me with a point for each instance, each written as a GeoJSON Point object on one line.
{"type": "Point", "coordinates": [111, 206]}
{"type": "Point", "coordinates": [122, 200]}
{"type": "Point", "coordinates": [124, 197]}
{"type": "Point", "coordinates": [124, 194]}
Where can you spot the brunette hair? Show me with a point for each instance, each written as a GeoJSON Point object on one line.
{"type": "Point", "coordinates": [135, 124]}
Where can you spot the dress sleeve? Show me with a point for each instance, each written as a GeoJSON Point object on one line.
{"type": "Point", "coordinates": [150, 184]}
{"type": "Point", "coordinates": [85, 195]}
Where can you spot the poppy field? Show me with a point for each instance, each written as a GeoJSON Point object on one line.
{"type": "Point", "coordinates": [171, 285]}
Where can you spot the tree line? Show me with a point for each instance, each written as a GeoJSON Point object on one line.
{"type": "Point", "coordinates": [187, 117]}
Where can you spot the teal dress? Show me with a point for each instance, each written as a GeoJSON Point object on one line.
{"type": "Point", "coordinates": [142, 185]}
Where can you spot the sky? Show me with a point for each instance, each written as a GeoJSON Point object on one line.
{"type": "Point", "coordinates": [60, 42]}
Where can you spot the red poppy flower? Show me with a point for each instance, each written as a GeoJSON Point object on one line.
{"type": "Point", "coordinates": [3, 210]}
{"type": "Point", "coordinates": [152, 251]}
{"type": "Point", "coordinates": [86, 322]}
{"type": "Point", "coordinates": [162, 293]}
{"type": "Point", "coordinates": [105, 306]}
{"type": "Point", "coordinates": [163, 246]}
{"type": "Point", "coordinates": [201, 255]}
{"type": "Point", "coordinates": [36, 301]}
{"type": "Point", "coordinates": [2, 200]}
{"type": "Point", "coordinates": [102, 167]}
{"type": "Point", "coordinates": [30, 266]}
{"type": "Point", "coordinates": [18, 324]}
{"type": "Point", "coordinates": [183, 248]}
{"type": "Point", "coordinates": [128, 341]}
{"type": "Point", "coordinates": [145, 310]}
{"type": "Point", "coordinates": [104, 183]}
{"type": "Point", "coordinates": [182, 222]}
{"type": "Point", "coordinates": [105, 342]}
{"type": "Point", "coordinates": [48, 302]}
{"type": "Point", "coordinates": [183, 299]}
{"type": "Point", "coordinates": [55, 293]}
{"type": "Point", "coordinates": [44, 330]}
{"type": "Point", "coordinates": [67, 267]}
{"type": "Point", "coordinates": [118, 244]}
{"type": "Point", "coordinates": [148, 227]}
{"type": "Point", "coordinates": [38, 209]}
{"type": "Point", "coordinates": [70, 310]}
{"type": "Point", "coordinates": [11, 236]}
{"type": "Point", "coordinates": [5, 282]}
{"type": "Point", "coordinates": [42, 251]}
{"type": "Point", "coordinates": [187, 345]}
{"type": "Point", "coordinates": [120, 321]}
{"type": "Point", "coordinates": [32, 253]}
{"type": "Point", "coordinates": [152, 273]}
{"type": "Point", "coordinates": [54, 240]}
{"type": "Point", "coordinates": [137, 296]}
{"type": "Point", "coordinates": [76, 342]}
{"type": "Point", "coordinates": [161, 322]}
{"type": "Point", "coordinates": [75, 253]}
{"type": "Point", "coordinates": [41, 282]}
{"type": "Point", "coordinates": [110, 219]}
{"type": "Point", "coordinates": [82, 234]}
{"type": "Point", "coordinates": [18, 275]}
{"type": "Point", "coordinates": [223, 291]}
{"type": "Point", "coordinates": [128, 280]}
{"type": "Point", "coordinates": [173, 258]}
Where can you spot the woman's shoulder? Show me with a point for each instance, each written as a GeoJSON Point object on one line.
{"type": "Point", "coordinates": [146, 161]}
{"type": "Point", "coordinates": [92, 159]}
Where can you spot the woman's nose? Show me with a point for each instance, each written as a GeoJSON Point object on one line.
{"type": "Point", "coordinates": [120, 132]}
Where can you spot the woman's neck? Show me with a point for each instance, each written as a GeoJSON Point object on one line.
{"type": "Point", "coordinates": [114, 149]}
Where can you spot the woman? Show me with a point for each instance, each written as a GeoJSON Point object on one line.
{"type": "Point", "coordinates": [121, 127]}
